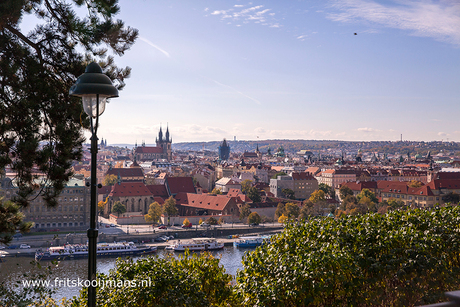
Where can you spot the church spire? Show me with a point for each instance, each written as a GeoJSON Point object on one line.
{"type": "Point", "coordinates": [167, 133]}
{"type": "Point", "coordinates": [160, 135]}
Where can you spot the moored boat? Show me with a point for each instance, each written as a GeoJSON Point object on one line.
{"type": "Point", "coordinates": [196, 244]}
{"type": "Point", "coordinates": [250, 241]}
{"type": "Point", "coordinates": [71, 251]}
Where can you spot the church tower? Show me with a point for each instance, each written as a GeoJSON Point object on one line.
{"type": "Point", "coordinates": [165, 144]}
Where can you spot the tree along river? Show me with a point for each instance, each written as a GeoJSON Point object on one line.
{"type": "Point", "coordinates": [13, 269]}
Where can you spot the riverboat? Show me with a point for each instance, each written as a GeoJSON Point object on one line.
{"type": "Point", "coordinates": [197, 244]}
{"type": "Point", "coordinates": [72, 251]}
{"type": "Point", "coordinates": [252, 241]}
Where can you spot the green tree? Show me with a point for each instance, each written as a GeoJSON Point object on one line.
{"type": "Point", "coordinates": [415, 184]}
{"type": "Point", "coordinates": [327, 190]}
{"type": "Point", "coordinates": [216, 191]}
{"type": "Point", "coordinates": [292, 210]}
{"type": "Point", "coordinates": [280, 209]}
{"type": "Point", "coordinates": [309, 209]}
{"type": "Point", "coordinates": [245, 210]}
{"type": "Point", "coordinates": [369, 194]}
{"type": "Point", "coordinates": [344, 191]}
{"type": "Point", "coordinates": [254, 218]}
{"type": "Point", "coordinates": [253, 194]}
{"type": "Point", "coordinates": [288, 193]}
{"type": "Point", "coordinates": [191, 280]}
{"type": "Point", "coordinates": [118, 208]}
{"type": "Point", "coordinates": [279, 174]}
{"type": "Point", "coordinates": [336, 262]}
{"type": "Point", "coordinates": [317, 196]}
{"type": "Point", "coordinates": [211, 220]}
{"type": "Point", "coordinates": [37, 70]}
{"type": "Point", "coordinates": [246, 185]}
{"type": "Point", "coordinates": [451, 197]}
{"type": "Point", "coordinates": [110, 180]}
{"type": "Point", "coordinates": [169, 208]}
{"type": "Point", "coordinates": [11, 219]}
{"type": "Point", "coordinates": [154, 213]}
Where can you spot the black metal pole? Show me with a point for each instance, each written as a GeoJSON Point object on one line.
{"type": "Point", "coordinates": [92, 231]}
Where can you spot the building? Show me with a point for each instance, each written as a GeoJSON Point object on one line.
{"type": "Point", "coordinates": [303, 184]}
{"type": "Point", "coordinates": [162, 151]}
{"type": "Point", "coordinates": [72, 211]}
{"type": "Point", "coordinates": [224, 150]}
{"type": "Point", "coordinates": [335, 177]}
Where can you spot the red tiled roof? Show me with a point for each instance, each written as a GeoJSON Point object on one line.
{"type": "Point", "coordinates": [180, 184]}
{"type": "Point", "coordinates": [144, 149]}
{"type": "Point", "coordinates": [126, 172]}
{"type": "Point", "coordinates": [425, 191]}
{"type": "Point", "coordinates": [125, 189]}
{"type": "Point", "coordinates": [444, 184]}
{"type": "Point", "coordinates": [302, 176]}
{"type": "Point", "coordinates": [203, 201]}
{"type": "Point", "coordinates": [158, 190]}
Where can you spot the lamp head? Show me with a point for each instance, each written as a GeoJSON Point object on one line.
{"type": "Point", "coordinates": [94, 88]}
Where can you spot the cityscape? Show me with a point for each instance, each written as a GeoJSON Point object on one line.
{"type": "Point", "coordinates": [229, 153]}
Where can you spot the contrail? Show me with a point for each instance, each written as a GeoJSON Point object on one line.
{"type": "Point", "coordinates": [154, 46]}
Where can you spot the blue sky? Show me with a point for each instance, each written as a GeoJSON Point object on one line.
{"type": "Point", "coordinates": [289, 70]}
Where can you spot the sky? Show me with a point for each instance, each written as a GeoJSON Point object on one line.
{"type": "Point", "coordinates": [357, 70]}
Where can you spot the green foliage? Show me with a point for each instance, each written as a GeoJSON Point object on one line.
{"type": "Point", "coordinates": [154, 213]}
{"type": "Point", "coordinates": [403, 258]}
{"type": "Point", "coordinates": [118, 208]}
{"type": "Point", "coordinates": [369, 194]}
{"type": "Point", "coordinates": [245, 185]}
{"type": "Point", "coordinates": [280, 209]}
{"type": "Point", "coordinates": [288, 193]}
{"type": "Point", "coordinates": [169, 207]}
{"type": "Point", "coordinates": [291, 210]}
{"type": "Point", "coordinates": [317, 196]}
{"type": "Point", "coordinates": [41, 126]}
{"type": "Point", "coordinates": [309, 209]}
{"type": "Point", "coordinates": [110, 180]}
{"type": "Point", "coordinates": [211, 220]}
{"type": "Point", "coordinates": [254, 218]}
{"type": "Point", "coordinates": [452, 198]}
{"type": "Point", "coordinates": [279, 174]}
{"type": "Point", "coordinates": [344, 191]}
{"type": "Point", "coordinates": [196, 280]}
{"type": "Point", "coordinates": [216, 191]}
{"type": "Point", "coordinates": [11, 219]}
{"type": "Point", "coordinates": [253, 194]}
{"type": "Point", "coordinates": [245, 210]}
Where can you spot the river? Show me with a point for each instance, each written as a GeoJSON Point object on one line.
{"type": "Point", "coordinates": [13, 269]}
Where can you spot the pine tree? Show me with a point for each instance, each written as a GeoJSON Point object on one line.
{"type": "Point", "coordinates": [41, 126]}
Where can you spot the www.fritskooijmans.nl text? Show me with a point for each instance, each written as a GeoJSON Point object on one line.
{"type": "Point", "coordinates": [80, 283]}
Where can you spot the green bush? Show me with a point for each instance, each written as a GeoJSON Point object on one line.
{"type": "Point", "coordinates": [196, 280]}
{"type": "Point", "coordinates": [397, 259]}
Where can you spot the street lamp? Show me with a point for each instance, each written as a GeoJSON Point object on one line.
{"type": "Point", "coordinates": [94, 88]}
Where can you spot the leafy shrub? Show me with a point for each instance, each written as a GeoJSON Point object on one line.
{"type": "Point", "coordinates": [398, 259]}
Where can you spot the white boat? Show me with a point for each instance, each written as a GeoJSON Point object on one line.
{"type": "Point", "coordinates": [196, 244]}
{"type": "Point", "coordinates": [250, 241]}
{"type": "Point", "coordinates": [71, 251]}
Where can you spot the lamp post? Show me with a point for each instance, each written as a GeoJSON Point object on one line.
{"type": "Point", "coordinates": [94, 88]}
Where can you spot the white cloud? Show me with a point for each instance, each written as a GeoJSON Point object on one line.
{"type": "Point", "coordinates": [443, 134]}
{"type": "Point", "coordinates": [439, 20]}
{"type": "Point", "coordinates": [368, 130]}
{"type": "Point", "coordinates": [154, 46]}
{"type": "Point", "coordinates": [256, 14]}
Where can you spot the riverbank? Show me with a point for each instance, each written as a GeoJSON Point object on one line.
{"type": "Point", "coordinates": [225, 235]}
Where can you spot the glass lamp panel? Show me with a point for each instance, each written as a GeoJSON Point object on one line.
{"type": "Point", "coordinates": [90, 104]}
